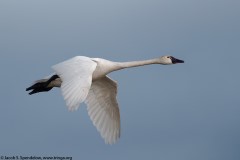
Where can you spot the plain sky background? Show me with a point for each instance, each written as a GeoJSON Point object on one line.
{"type": "Point", "coordinates": [187, 111]}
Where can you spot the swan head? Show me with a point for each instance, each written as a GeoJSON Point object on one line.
{"type": "Point", "coordinates": [169, 60]}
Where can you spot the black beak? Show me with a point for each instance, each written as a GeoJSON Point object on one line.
{"type": "Point", "coordinates": [175, 60]}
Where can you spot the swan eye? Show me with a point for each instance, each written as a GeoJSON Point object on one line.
{"type": "Point", "coordinates": [168, 57]}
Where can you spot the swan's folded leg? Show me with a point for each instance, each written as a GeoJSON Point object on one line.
{"type": "Point", "coordinates": [42, 85]}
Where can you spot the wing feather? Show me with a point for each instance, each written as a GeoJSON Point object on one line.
{"type": "Point", "coordinates": [76, 75]}
{"type": "Point", "coordinates": [103, 108]}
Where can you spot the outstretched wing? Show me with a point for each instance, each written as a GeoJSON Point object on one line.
{"type": "Point", "coordinates": [103, 108]}
{"type": "Point", "coordinates": [76, 75]}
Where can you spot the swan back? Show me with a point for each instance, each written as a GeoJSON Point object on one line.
{"type": "Point", "coordinates": [103, 68]}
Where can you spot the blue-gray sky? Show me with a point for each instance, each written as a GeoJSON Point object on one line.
{"type": "Point", "coordinates": [186, 111]}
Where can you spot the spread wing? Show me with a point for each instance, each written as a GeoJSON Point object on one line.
{"type": "Point", "coordinates": [103, 108]}
{"type": "Point", "coordinates": [76, 75]}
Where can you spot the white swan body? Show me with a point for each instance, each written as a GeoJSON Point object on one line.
{"type": "Point", "coordinates": [83, 79]}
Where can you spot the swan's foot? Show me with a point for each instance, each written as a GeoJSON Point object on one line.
{"type": "Point", "coordinates": [41, 86]}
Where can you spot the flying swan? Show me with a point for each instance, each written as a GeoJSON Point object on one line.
{"type": "Point", "coordinates": [84, 79]}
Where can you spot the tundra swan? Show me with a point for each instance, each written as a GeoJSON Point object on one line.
{"type": "Point", "coordinates": [84, 79]}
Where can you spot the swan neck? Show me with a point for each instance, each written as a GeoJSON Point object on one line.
{"type": "Point", "coordinates": [122, 65]}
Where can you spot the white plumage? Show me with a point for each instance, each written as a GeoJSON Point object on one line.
{"type": "Point", "coordinates": [103, 108]}
{"type": "Point", "coordinates": [84, 79]}
{"type": "Point", "coordinates": [76, 76]}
